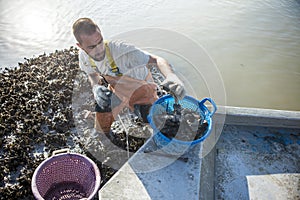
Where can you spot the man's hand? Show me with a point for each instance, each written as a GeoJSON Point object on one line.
{"type": "Point", "coordinates": [102, 96]}
{"type": "Point", "coordinates": [175, 85]}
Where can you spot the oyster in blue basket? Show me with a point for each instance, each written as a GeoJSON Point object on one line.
{"type": "Point", "coordinates": [182, 124]}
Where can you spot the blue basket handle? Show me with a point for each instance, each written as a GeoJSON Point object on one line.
{"type": "Point", "coordinates": [210, 113]}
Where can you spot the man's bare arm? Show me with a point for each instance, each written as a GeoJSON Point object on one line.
{"type": "Point", "coordinates": [172, 82]}
{"type": "Point", "coordinates": [161, 64]}
{"type": "Point", "coordinates": [95, 78]}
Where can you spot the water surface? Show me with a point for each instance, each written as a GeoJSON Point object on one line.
{"type": "Point", "coordinates": [255, 45]}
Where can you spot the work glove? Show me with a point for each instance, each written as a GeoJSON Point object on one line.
{"type": "Point", "coordinates": [102, 96]}
{"type": "Point", "coordinates": [174, 85]}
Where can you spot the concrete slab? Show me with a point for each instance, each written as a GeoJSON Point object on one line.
{"type": "Point", "coordinates": [124, 185]}
{"type": "Point", "coordinates": [274, 186]}
{"type": "Point", "coordinates": [156, 175]}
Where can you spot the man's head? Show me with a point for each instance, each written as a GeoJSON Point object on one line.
{"type": "Point", "coordinates": [89, 38]}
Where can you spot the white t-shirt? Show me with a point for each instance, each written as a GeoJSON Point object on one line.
{"type": "Point", "coordinates": [130, 60]}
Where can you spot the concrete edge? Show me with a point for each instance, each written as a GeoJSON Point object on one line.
{"type": "Point", "coordinates": [258, 117]}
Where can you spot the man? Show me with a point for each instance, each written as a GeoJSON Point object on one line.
{"type": "Point", "coordinates": [119, 74]}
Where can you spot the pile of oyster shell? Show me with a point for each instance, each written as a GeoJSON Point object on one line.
{"type": "Point", "coordinates": [35, 117]}
{"type": "Point", "coordinates": [38, 115]}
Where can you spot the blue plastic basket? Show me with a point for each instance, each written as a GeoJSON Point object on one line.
{"type": "Point", "coordinates": [165, 104]}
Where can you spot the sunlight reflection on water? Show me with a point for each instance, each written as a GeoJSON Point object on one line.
{"type": "Point", "coordinates": [255, 44]}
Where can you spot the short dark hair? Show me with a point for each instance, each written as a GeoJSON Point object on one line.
{"type": "Point", "coordinates": [84, 26]}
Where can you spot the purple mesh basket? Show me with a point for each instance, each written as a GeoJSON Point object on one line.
{"type": "Point", "coordinates": [66, 176]}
